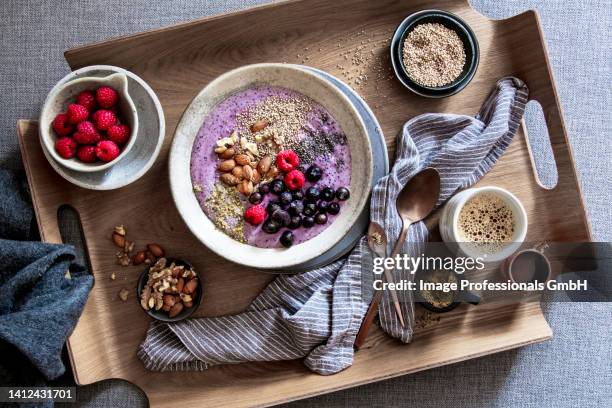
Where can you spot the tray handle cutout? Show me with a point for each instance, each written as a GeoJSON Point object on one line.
{"type": "Point", "coordinates": [71, 232]}
{"type": "Point", "coordinates": [543, 160]}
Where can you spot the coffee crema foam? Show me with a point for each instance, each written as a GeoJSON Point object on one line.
{"type": "Point", "coordinates": [487, 222]}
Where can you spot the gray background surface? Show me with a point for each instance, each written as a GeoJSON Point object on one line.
{"type": "Point", "coordinates": [574, 369]}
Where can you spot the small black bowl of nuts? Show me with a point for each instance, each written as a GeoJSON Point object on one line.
{"type": "Point", "coordinates": [169, 290]}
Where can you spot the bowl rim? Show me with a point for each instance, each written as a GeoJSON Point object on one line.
{"type": "Point", "coordinates": [159, 134]}
{"type": "Point", "coordinates": [48, 138]}
{"type": "Point", "coordinates": [265, 259]}
{"type": "Point", "coordinates": [399, 68]}
{"type": "Point", "coordinates": [160, 315]}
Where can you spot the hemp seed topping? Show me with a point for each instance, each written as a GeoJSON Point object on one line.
{"type": "Point", "coordinates": [226, 210]}
{"type": "Point", "coordinates": [433, 55]}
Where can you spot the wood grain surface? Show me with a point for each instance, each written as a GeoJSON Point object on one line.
{"type": "Point", "coordinates": [177, 62]}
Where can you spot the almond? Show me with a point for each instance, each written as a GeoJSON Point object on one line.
{"type": "Point", "coordinates": [191, 286]}
{"type": "Point", "coordinates": [156, 250]}
{"type": "Point", "coordinates": [229, 179]}
{"type": "Point", "coordinates": [169, 300]}
{"type": "Point", "coordinates": [118, 240]}
{"type": "Point", "coordinates": [256, 178]}
{"type": "Point", "coordinates": [228, 154]}
{"type": "Point", "coordinates": [166, 308]}
{"type": "Point", "coordinates": [150, 257]}
{"type": "Point", "coordinates": [264, 164]}
{"type": "Point", "coordinates": [180, 284]}
{"type": "Point", "coordinates": [241, 159]}
{"type": "Point", "coordinates": [248, 172]}
{"type": "Point", "coordinates": [175, 310]}
{"type": "Point", "coordinates": [259, 125]}
{"type": "Point", "coordinates": [226, 165]}
{"type": "Point", "coordinates": [238, 172]}
{"type": "Point", "coordinates": [273, 172]}
{"type": "Point", "coordinates": [139, 257]}
{"type": "Point", "coordinates": [246, 187]}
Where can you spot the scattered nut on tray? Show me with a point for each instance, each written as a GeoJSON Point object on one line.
{"type": "Point", "coordinates": [170, 288]}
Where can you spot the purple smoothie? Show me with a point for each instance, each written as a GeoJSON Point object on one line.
{"type": "Point", "coordinates": [319, 140]}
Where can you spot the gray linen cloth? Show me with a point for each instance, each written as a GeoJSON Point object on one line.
{"type": "Point", "coordinates": [316, 315]}
{"type": "Point", "coordinates": [39, 304]}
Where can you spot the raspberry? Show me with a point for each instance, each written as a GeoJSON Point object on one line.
{"type": "Point", "coordinates": [86, 133]}
{"type": "Point", "coordinates": [118, 134]}
{"type": "Point", "coordinates": [255, 215]}
{"type": "Point", "coordinates": [65, 147]}
{"type": "Point", "coordinates": [76, 113]}
{"type": "Point", "coordinates": [87, 99]}
{"type": "Point", "coordinates": [106, 96]}
{"type": "Point", "coordinates": [61, 126]}
{"type": "Point", "coordinates": [107, 150]}
{"type": "Point", "coordinates": [104, 119]}
{"type": "Point", "coordinates": [287, 160]}
{"type": "Point", "coordinates": [295, 180]}
{"type": "Point", "coordinates": [87, 154]}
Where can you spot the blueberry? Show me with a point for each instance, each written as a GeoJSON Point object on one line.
{"type": "Point", "coordinates": [285, 197]}
{"type": "Point", "coordinates": [286, 239]}
{"type": "Point", "coordinates": [313, 194]}
{"type": "Point", "coordinates": [273, 206]}
{"type": "Point", "coordinates": [327, 194]}
{"type": "Point", "coordinates": [277, 186]}
{"type": "Point", "coordinates": [321, 218]}
{"type": "Point", "coordinates": [308, 222]}
{"type": "Point", "coordinates": [314, 173]}
{"type": "Point", "coordinates": [310, 209]}
{"type": "Point", "coordinates": [255, 198]}
{"type": "Point", "coordinates": [281, 217]}
{"type": "Point", "coordinates": [296, 222]}
{"type": "Point", "coordinates": [298, 195]}
{"type": "Point", "coordinates": [333, 208]}
{"type": "Point", "coordinates": [322, 206]}
{"type": "Point", "coordinates": [270, 226]}
{"type": "Point", "coordinates": [343, 193]}
{"type": "Point", "coordinates": [296, 207]}
{"type": "Point", "coordinates": [263, 189]}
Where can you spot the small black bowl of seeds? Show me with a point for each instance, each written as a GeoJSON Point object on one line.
{"type": "Point", "coordinates": [434, 53]}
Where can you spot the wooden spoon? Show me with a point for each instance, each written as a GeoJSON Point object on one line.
{"type": "Point", "coordinates": [416, 200]}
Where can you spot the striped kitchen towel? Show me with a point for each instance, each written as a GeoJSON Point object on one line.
{"type": "Point", "coordinates": [316, 315]}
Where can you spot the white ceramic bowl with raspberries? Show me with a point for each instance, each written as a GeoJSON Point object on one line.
{"type": "Point", "coordinates": [89, 124]}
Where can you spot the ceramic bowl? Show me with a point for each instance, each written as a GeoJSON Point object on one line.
{"type": "Point", "coordinates": [150, 137]}
{"type": "Point", "coordinates": [306, 83]}
{"type": "Point", "coordinates": [60, 97]}
{"type": "Point", "coordinates": [451, 21]}
{"type": "Point", "coordinates": [162, 315]}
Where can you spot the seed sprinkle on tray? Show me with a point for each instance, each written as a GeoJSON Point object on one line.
{"type": "Point", "coordinates": [433, 55]}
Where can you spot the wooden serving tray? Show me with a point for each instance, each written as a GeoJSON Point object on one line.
{"type": "Point", "coordinates": [177, 62]}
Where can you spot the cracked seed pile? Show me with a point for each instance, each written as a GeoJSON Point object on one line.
{"type": "Point", "coordinates": [433, 55]}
